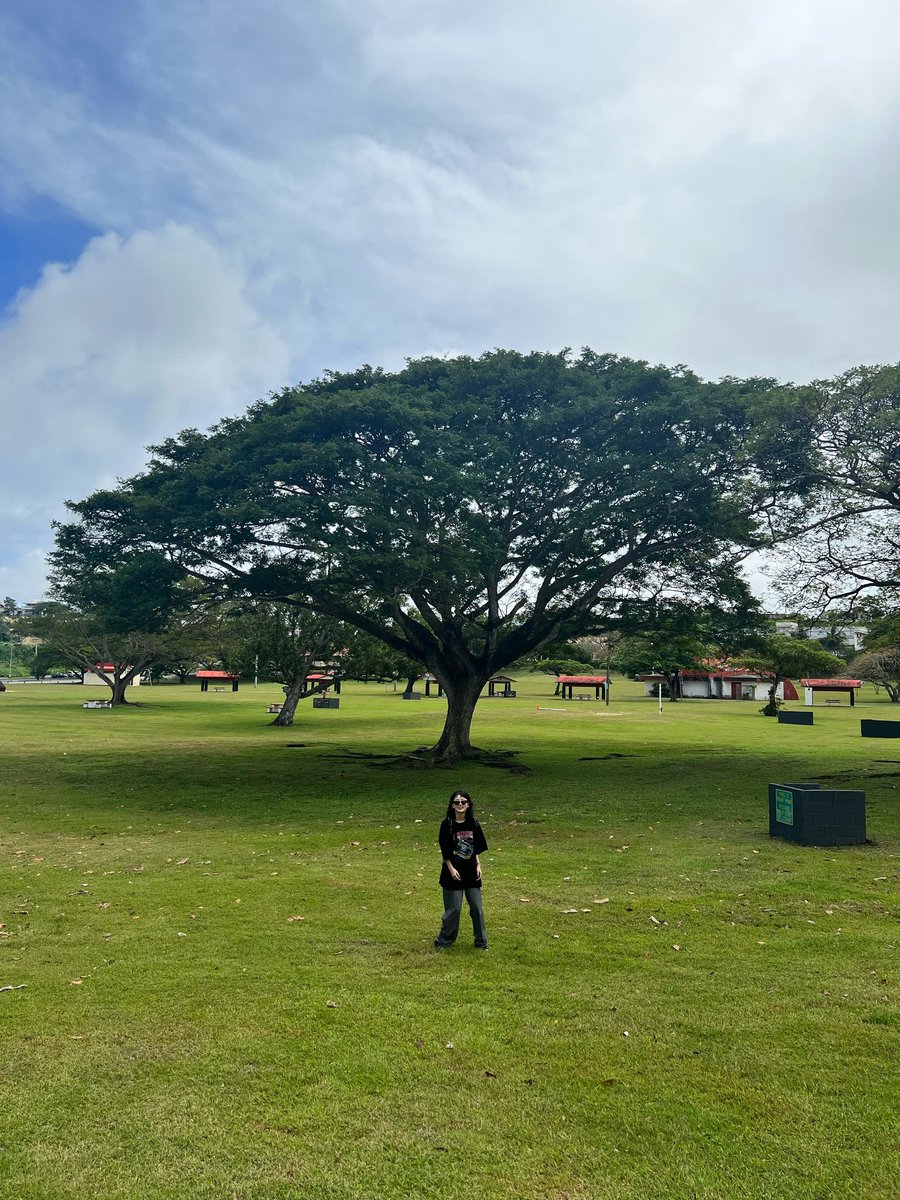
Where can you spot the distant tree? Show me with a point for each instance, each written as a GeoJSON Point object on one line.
{"type": "Point", "coordinates": [285, 642]}
{"type": "Point", "coordinates": [49, 661]}
{"type": "Point", "coordinates": [883, 629]}
{"type": "Point", "coordinates": [9, 611]}
{"type": "Point", "coordinates": [579, 651]}
{"type": "Point", "coordinates": [881, 667]}
{"type": "Point", "coordinates": [666, 654]}
{"type": "Point", "coordinates": [203, 636]}
{"type": "Point", "coordinates": [367, 657]}
{"type": "Point", "coordinates": [671, 635]}
{"type": "Point", "coordinates": [85, 641]}
{"type": "Point", "coordinates": [465, 511]}
{"type": "Point", "coordinates": [115, 621]}
{"type": "Point", "coordinates": [780, 657]}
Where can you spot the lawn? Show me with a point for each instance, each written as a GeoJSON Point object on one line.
{"type": "Point", "coordinates": [225, 932]}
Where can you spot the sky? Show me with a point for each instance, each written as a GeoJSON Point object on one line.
{"type": "Point", "coordinates": [202, 201]}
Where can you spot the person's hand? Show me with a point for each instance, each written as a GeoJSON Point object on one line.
{"type": "Point", "coordinates": [478, 870]}
{"type": "Point", "coordinates": [454, 874]}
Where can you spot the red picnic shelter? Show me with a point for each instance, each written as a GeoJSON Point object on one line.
{"type": "Point", "coordinates": [830, 685]}
{"type": "Point", "coordinates": [220, 677]}
{"type": "Point", "coordinates": [566, 683]}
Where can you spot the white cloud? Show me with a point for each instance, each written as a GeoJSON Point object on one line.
{"type": "Point", "coordinates": [24, 578]}
{"type": "Point", "coordinates": [140, 337]}
{"type": "Point", "coordinates": [693, 182]}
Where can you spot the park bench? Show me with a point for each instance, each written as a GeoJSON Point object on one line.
{"type": "Point", "coordinates": [97, 704]}
{"type": "Point", "coordinates": [832, 703]}
{"type": "Point", "coordinates": [273, 708]}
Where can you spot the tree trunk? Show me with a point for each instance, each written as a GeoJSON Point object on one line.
{"type": "Point", "coordinates": [118, 687]}
{"type": "Point", "coordinates": [674, 681]}
{"type": "Point", "coordinates": [893, 690]}
{"type": "Point", "coordinates": [291, 700]}
{"type": "Point", "coordinates": [411, 683]}
{"type": "Point", "coordinates": [454, 743]}
{"type": "Point", "coordinates": [771, 708]}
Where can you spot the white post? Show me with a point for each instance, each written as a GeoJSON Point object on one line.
{"type": "Point", "coordinates": [256, 671]}
{"type": "Point", "coordinates": [659, 696]}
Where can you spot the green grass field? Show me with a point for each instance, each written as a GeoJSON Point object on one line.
{"type": "Point", "coordinates": [232, 990]}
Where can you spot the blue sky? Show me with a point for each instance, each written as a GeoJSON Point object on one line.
{"type": "Point", "coordinates": [202, 201]}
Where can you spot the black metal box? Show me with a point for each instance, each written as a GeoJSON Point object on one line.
{"type": "Point", "coordinates": [326, 702]}
{"type": "Point", "coordinates": [880, 729]}
{"type": "Point", "coordinates": [795, 718]}
{"type": "Point", "coordinates": [812, 816]}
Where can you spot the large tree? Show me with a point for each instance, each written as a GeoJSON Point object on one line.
{"type": "Point", "coordinates": [464, 511]}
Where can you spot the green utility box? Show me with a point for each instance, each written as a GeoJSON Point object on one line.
{"type": "Point", "coordinates": [812, 816]}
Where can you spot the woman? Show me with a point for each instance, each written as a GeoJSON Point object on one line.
{"type": "Point", "coordinates": [462, 840]}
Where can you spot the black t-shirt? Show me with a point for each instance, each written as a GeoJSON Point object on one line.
{"type": "Point", "coordinates": [460, 842]}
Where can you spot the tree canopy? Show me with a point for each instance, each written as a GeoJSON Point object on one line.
{"type": "Point", "coordinates": [851, 547]}
{"type": "Point", "coordinates": [464, 511]}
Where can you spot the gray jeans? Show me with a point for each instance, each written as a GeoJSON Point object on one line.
{"type": "Point", "coordinates": [453, 898]}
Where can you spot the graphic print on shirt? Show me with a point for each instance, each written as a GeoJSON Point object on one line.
{"type": "Point", "coordinates": [464, 846]}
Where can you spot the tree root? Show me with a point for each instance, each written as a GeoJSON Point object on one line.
{"type": "Point", "coordinates": [604, 757]}
{"type": "Point", "coordinates": [425, 758]}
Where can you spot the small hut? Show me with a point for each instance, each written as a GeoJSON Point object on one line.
{"type": "Point", "coordinates": [219, 679]}
{"type": "Point", "coordinates": [94, 679]}
{"type": "Point", "coordinates": [567, 684]}
{"type": "Point", "coordinates": [832, 686]}
{"type": "Point", "coordinates": [321, 681]}
{"type": "Point", "coordinates": [431, 682]}
{"type": "Point", "coordinates": [498, 687]}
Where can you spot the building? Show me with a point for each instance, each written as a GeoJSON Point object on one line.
{"type": "Point", "coordinates": [93, 679]}
{"type": "Point", "coordinates": [722, 683]}
{"type": "Point", "coordinates": [850, 635]}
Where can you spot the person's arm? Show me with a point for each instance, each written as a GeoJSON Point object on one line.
{"type": "Point", "coordinates": [480, 847]}
{"type": "Point", "coordinates": [445, 838]}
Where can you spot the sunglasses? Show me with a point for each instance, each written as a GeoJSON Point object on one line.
{"type": "Point", "coordinates": [460, 804]}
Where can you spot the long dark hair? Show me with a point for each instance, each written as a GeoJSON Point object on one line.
{"type": "Point", "coordinates": [470, 811]}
